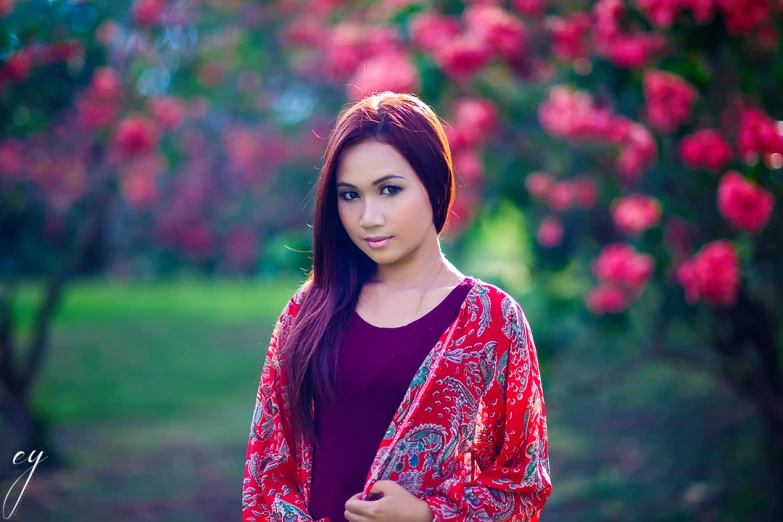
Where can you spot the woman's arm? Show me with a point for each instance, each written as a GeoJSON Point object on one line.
{"type": "Point", "coordinates": [511, 445]}
{"type": "Point", "coordinates": [270, 488]}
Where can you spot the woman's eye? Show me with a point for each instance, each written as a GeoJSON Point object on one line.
{"type": "Point", "coordinates": [394, 190]}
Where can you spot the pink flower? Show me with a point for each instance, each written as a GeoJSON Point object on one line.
{"type": "Point", "coordinates": [660, 12]}
{"type": "Point", "coordinates": [476, 117]}
{"type": "Point", "coordinates": [387, 72]}
{"type": "Point", "coordinates": [430, 30]}
{"type": "Point", "coordinates": [135, 135]}
{"type": "Point", "coordinates": [570, 35]}
{"type": "Point", "coordinates": [639, 152]}
{"type": "Point", "coordinates": [11, 156]}
{"type": "Point", "coordinates": [765, 37]}
{"type": "Point", "coordinates": [562, 196]}
{"type": "Point", "coordinates": [529, 7]}
{"type": "Point", "coordinates": [381, 39]}
{"type": "Point", "coordinates": [92, 114]}
{"type": "Point", "coordinates": [742, 16]}
{"type": "Point", "coordinates": [636, 213]}
{"type": "Point", "coordinates": [632, 51]}
{"type": "Point", "coordinates": [462, 55]}
{"type": "Point", "coordinates": [169, 112]}
{"type": "Point", "coordinates": [550, 232]}
{"type": "Point", "coordinates": [624, 49]}
{"type": "Point", "coordinates": [621, 265]}
{"type": "Point", "coordinates": [744, 204]}
{"type": "Point", "coordinates": [705, 149]}
{"type": "Point", "coordinates": [306, 30]}
{"type": "Point", "coordinates": [758, 134]}
{"type": "Point", "coordinates": [630, 165]}
{"type": "Point", "coordinates": [107, 32]}
{"type": "Point", "coordinates": [138, 180]}
{"type": "Point", "coordinates": [539, 184]}
{"type": "Point", "coordinates": [663, 12]}
{"type": "Point", "coordinates": [60, 51]}
{"type": "Point", "coordinates": [608, 16]}
{"type": "Point", "coordinates": [571, 114]}
{"type": "Point", "coordinates": [106, 82]}
{"type": "Point", "coordinates": [712, 275]}
{"type": "Point", "coordinates": [456, 137]}
{"type": "Point", "coordinates": [16, 67]}
{"type": "Point", "coordinates": [638, 272]}
{"type": "Point", "coordinates": [606, 299]}
{"type": "Point", "coordinates": [568, 113]}
{"type": "Point", "coordinates": [101, 103]}
{"type": "Point", "coordinates": [318, 7]}
{"type": "Point", "coordinates": [147, 12]}
{"type": "Point", "coordinates": [467, 163]}
{"type": "Point", "coordinates": [6, 6]}
{"type": "Point", "coordinates": [586, 192]}
{"type": "Point", "coordinates": [344, 50]}
{"type": "Point", "coordinates": [242, 148]}
{"type": "Point", "coordinates": [703, 10]}
{"type": "Point", "coordinates": [669, 98]}
{"type": "Point", "coordinates": [499, 29]}
{"type": "Point", "coordinates": [139, 191]}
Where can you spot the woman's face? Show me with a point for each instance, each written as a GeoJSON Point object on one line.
{"type": "Point", "coordinates": [379, 195]}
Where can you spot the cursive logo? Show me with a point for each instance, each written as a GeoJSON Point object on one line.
{"type": "Point", "coordinates": [17, 460]}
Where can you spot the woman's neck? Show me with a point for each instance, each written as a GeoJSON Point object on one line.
{"type": "Point", "coordinates": [444, 274]}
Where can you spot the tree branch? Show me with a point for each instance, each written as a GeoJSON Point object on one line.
{"type": "Point", "coordinates": [56, 286]}
{"type": "Point", "coordinates": [7, 341]}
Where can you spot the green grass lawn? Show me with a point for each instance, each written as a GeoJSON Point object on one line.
{"type": "Point", "coordinates": [147, 351]}
{"type": "Point", "coordinates": [150, 390]}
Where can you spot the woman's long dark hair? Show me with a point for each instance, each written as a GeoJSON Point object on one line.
{"type": "Point", "coordinates": [340, 268]}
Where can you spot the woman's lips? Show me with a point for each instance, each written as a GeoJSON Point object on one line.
{"type": "Point", "coordinates": [378, 244]}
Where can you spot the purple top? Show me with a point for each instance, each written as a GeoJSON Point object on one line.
{"type": "Point", "coordinates": [375, 366]}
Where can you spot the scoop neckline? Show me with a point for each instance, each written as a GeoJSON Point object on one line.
{"type": "Point", "coordinates": [415, 321]}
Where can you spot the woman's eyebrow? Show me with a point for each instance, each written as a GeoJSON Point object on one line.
{"type": "Point", "coordinates": [376, 182]}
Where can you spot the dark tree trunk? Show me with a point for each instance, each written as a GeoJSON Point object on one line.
{"type": "Point", "coordinates": [750, 360]}
{"type": "Point", "coordinates": [20, 369]}
{"type": "Point", "coordinates": [774, 455]}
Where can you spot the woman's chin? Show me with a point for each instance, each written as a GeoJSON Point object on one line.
{"type": "Point", "coordinates": [381, 257]}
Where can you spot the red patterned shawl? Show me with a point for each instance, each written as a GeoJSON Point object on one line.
{"type": "Point", "coordinates": [469, 437]}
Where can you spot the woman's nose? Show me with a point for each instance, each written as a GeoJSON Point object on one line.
{"type": "Point", "coordinates": [371, 215]}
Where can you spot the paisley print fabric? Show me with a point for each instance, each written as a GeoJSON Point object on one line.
{"type": "Point", "coordinates": [469, 437]}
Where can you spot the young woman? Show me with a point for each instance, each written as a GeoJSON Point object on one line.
{"type": "Point", "coordinates": [395, 387]}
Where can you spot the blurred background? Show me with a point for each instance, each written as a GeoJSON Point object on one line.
{"type": "Point", "coordinates": [619, 173]}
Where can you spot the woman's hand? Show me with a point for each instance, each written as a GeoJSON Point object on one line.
{"type": "Point", "coordinates": [397, 505]}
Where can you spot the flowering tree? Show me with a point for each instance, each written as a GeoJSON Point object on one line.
{"type": "Point", "coordinates": [108, 136]}
{"type": "Point", "coordinates": [640, 136]}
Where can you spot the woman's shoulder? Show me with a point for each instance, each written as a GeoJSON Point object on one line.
{"type": "Point", "coordinates": [491, 295]}
{"type": "Point", "coordinates": [296, 300]}
{"type": "Point", "coordinates": [301, 292]}
{"type": "Point", "coordinates": [495, 307]}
